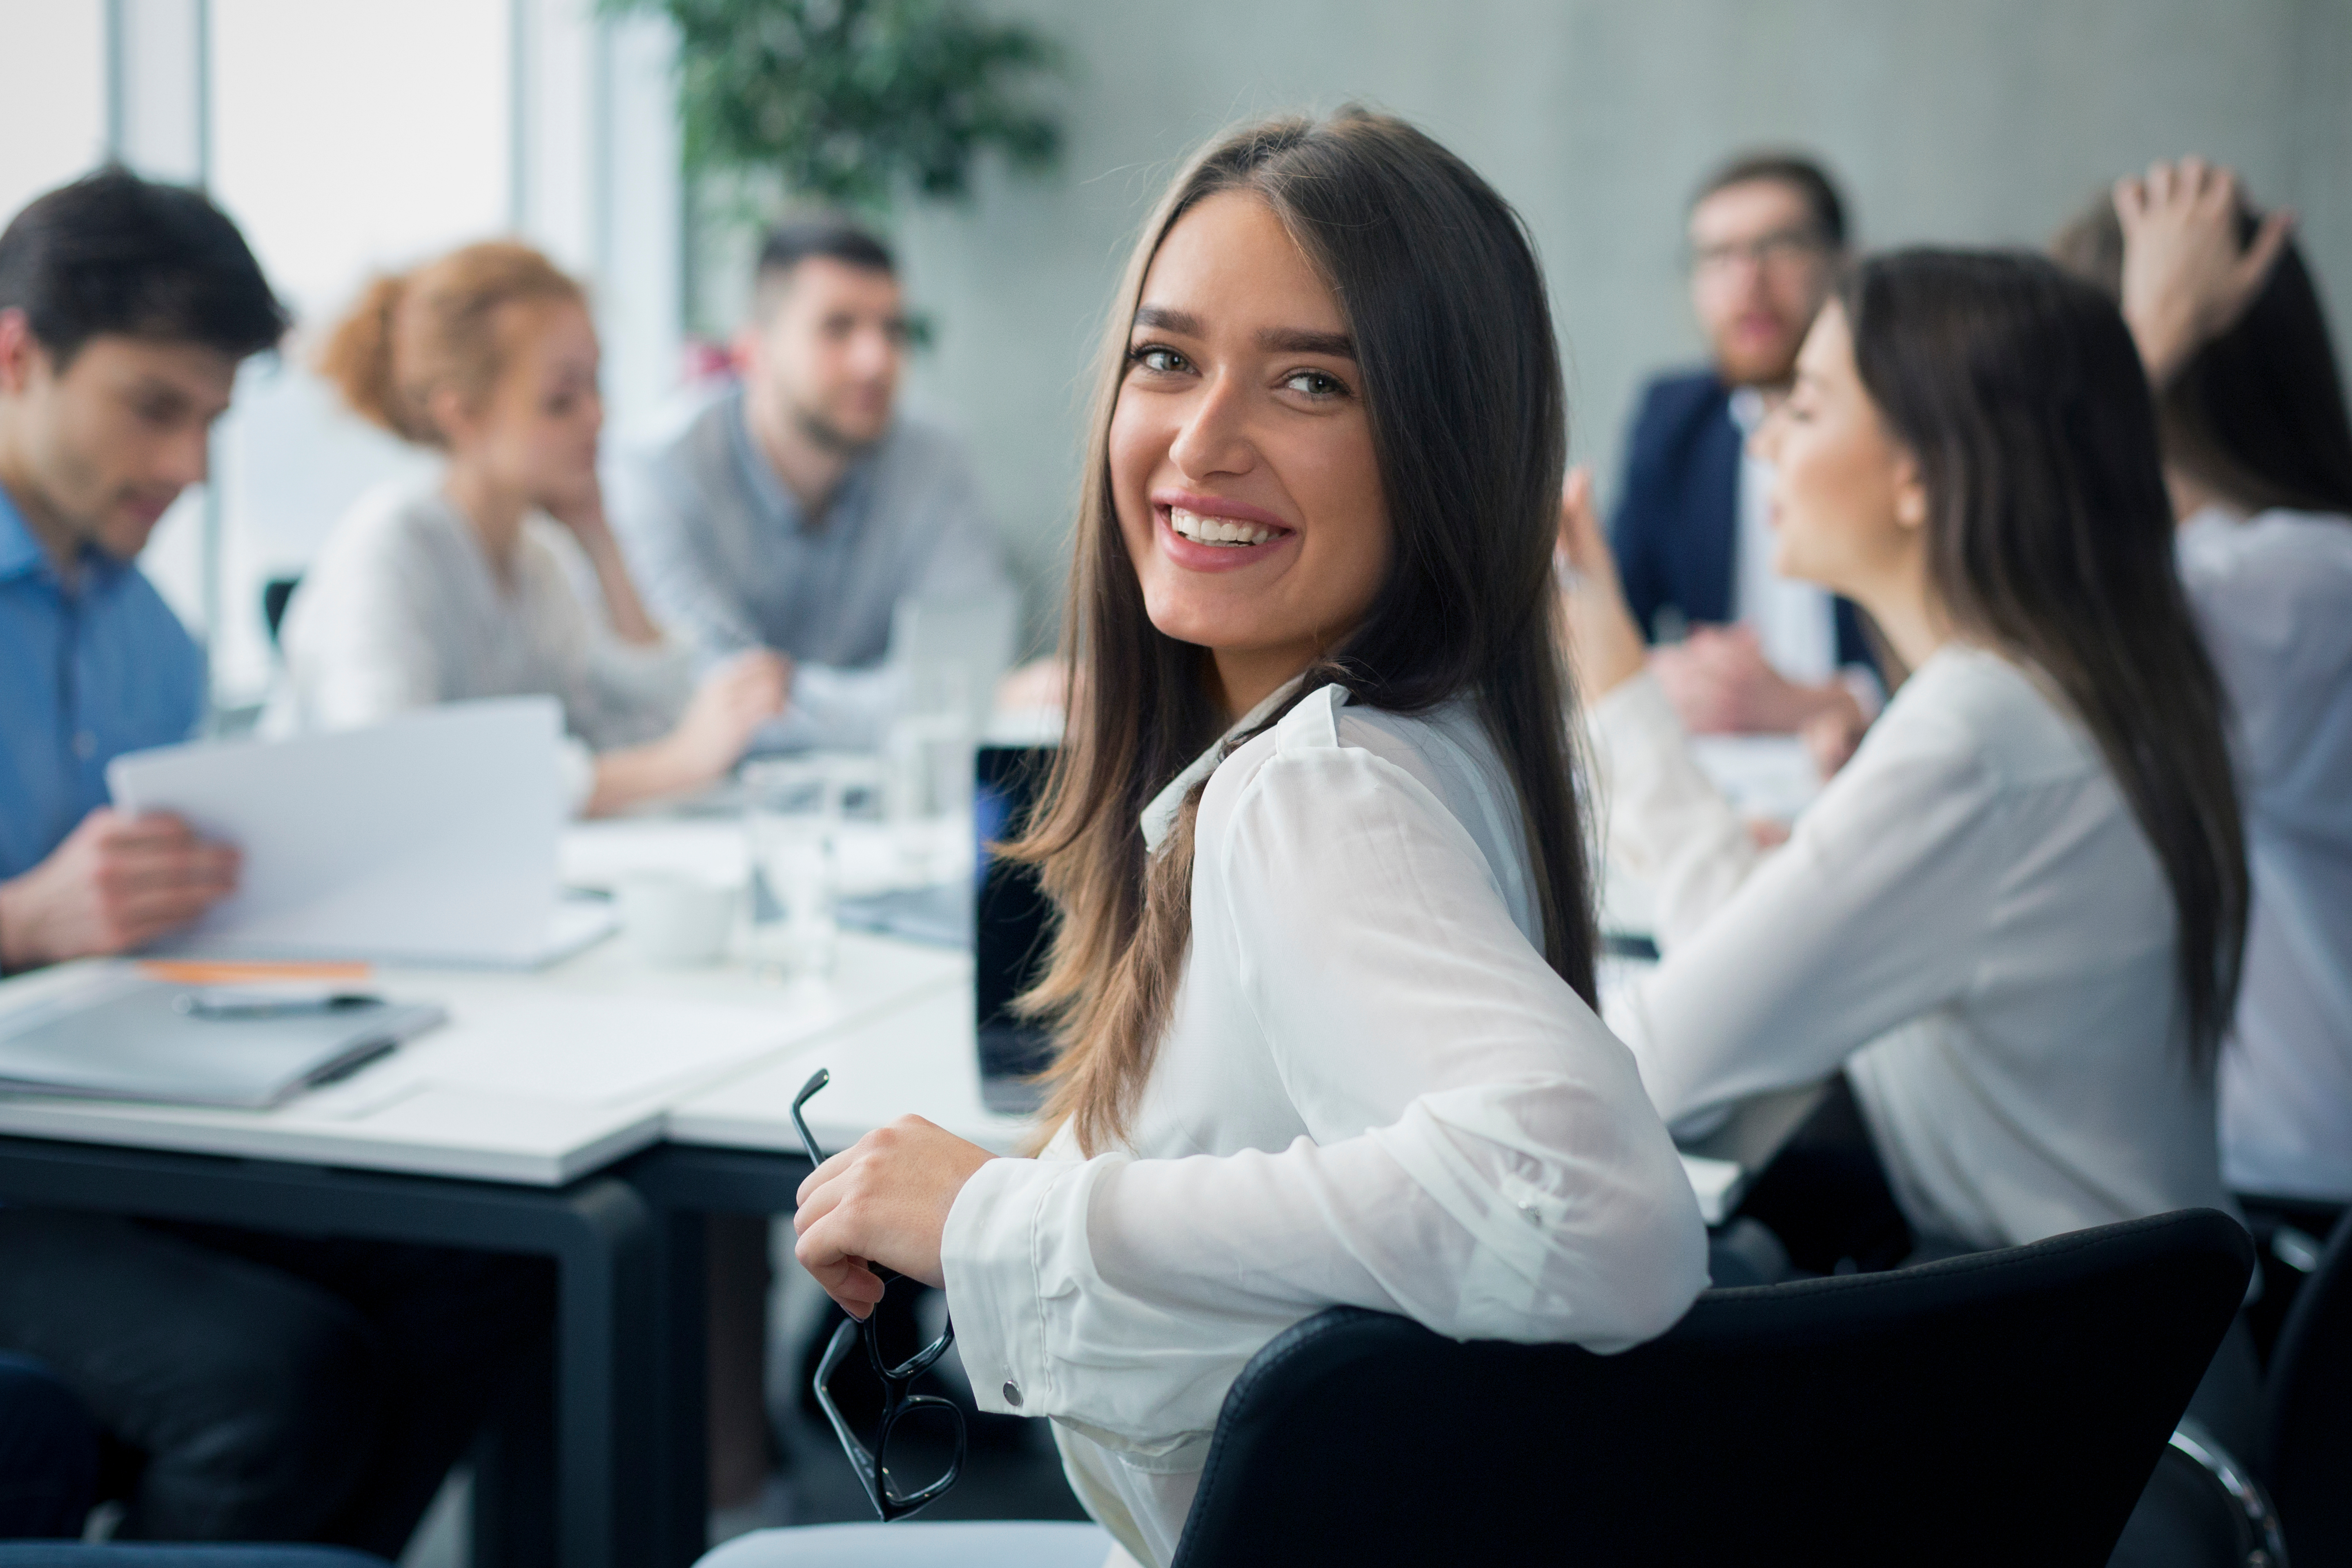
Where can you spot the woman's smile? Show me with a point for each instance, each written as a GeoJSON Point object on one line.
{"type": "Point", "coordinates": [1210, 533]}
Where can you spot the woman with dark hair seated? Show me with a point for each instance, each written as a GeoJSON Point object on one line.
{"type": "Point", "coordinates": [2010, 929]}
{"type": "Point", "coordinates": [1324, 964]}
{"type": "Point", "coordinates": [2258, 452]}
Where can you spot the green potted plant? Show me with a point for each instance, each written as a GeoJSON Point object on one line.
{"type": "Point", "coordinates": [851, 103]}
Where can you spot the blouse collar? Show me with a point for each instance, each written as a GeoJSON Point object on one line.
{"type": "Point", "coordinates": [1159, 815]}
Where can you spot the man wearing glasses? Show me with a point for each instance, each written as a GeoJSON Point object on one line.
{"type": "Point", "coordinates": [1741, 647]}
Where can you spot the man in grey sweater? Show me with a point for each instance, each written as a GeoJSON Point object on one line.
{"type": "Point", "coordinates": [795, 509]}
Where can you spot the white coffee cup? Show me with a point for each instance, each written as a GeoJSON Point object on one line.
{"type": "Point", "coordinates": [675, 920]}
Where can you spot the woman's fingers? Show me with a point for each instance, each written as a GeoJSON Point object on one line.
{"type": "Point", "coordinates": [852, 1283]}
{"type": "Point", "coordinates": [1580, 538]}
{"type": "Point", "coordinates": [2262, 254]}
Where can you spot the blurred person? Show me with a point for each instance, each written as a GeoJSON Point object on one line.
{"type": "Point", "coordinates": [2010, 929]}
{"type": "Point", "coordinates": [459, 589]}
{"type": "Point", "coordinates": [2258, 454]}
{"type": "Point", "coordinates": [797, 509]}
{"type": "Point", "coordinates": [1742, 646]}
{"type": "Point", "coordinates": [271, 1388]}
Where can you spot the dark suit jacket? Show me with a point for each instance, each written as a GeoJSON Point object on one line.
{"type": "Point", "coordinates": [1676, 533]}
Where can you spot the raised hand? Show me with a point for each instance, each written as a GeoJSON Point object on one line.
{"type": "Point", "coordinates": [2186, 278]}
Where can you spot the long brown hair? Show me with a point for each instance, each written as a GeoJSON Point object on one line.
{"type": "Point", "coordinates": [2258, 411]}
{"type": "Point", "coordinates": [1445, 302]}
{"type": "Point", "coordinates": [411, 334]}
{"type": "Point", "coordinates": [2050, 534]}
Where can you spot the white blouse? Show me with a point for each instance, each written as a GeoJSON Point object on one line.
{"type": "Point", "coordinates": [1968, 918]}
{"type": "Point", "coordinates": [401, 609]}
{"type": "Point", "coordinates": [2274, 595]}
{"type": "Point", "coordinates": [1372, 1090]}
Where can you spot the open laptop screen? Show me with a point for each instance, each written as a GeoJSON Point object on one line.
{"type": "Point", "coordinates": [1010, 928]}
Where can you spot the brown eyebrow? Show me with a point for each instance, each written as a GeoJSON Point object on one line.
{"type": "Point", "coordinates": [1274, 340]}
{"type": "Point", "coordinates": [1168, 321]}
{"type": "Point", "coordinates": [1297, 341]}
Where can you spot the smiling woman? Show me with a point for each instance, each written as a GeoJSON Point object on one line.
{"type": "Point", "coordinates": [1313, 846]}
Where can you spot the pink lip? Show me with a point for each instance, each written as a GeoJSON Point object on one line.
{"type": "Point", "coordinates": [1194, 556]}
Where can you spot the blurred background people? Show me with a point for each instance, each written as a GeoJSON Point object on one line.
{"type": "Point", "coordinates": [2258, 454]}
{"type": "Point", "coordinates": [2011, 927]}
{"type": "Point", "coordinates": [125, 309]}
{"type": "Point", "coordinates": [459, 589]}
{"type": "Point", "coordinates": [269, 1388]}
{"type": "Point", "coordinates": [798, 508]}
{"type": "Point", "coordinates": [1744, 647]}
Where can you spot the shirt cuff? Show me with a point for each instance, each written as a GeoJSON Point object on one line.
{"type": "Point", "coordinates": [993, 1254]}
{"type": "Point", "coordinates": [1633, 719]}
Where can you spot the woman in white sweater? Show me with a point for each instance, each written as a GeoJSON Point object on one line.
{"type": "Point", "coordinates": [2014, 919]}
{"type": "Point", "coordinates": [2258, 453]}
{"type": "Point", "coordinates": [459, 589]}
{"type": "Point", "coordinates": [1324, 964]}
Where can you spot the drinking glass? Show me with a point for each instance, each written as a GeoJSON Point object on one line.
{"type": "Point", "coordinates": [792, 813]}
{"type": "Point", "coordinates": [929, 754]}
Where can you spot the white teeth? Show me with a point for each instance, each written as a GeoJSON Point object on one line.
{"type": "Point", "coordinates": [1217, 529]}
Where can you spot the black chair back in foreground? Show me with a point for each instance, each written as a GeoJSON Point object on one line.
{"type": "Point", "coordinates": [2006, 1406]}
{"type": "Point", "coordinates": [2307, 1412]}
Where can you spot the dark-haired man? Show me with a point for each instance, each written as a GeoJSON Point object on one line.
{"type": "Point", "coordinates": [796, 510]}
{"type": "Point", "coordinates": [271, 1388]}
{"type": "Point", "coordinates": [1751, 650]}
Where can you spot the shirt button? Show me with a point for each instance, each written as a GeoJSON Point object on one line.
{"type": "Point", "coordinates": [1012, 1394]}
{"type": "Point", "coordinates": [85, 744]}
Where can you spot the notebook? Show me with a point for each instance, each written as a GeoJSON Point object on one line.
{"type": "Point", "coordinates": [117, 1034]}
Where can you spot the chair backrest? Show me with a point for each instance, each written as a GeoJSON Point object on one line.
{"type": "Point", "coordinates": [2002, 1407]}
{"type": "Point", "coordinates": [2306, 1454]}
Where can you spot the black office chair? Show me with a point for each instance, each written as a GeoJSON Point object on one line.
{"type": "Point", "coordinates": [2006, 1406]}
{"type": "Point", "coordinates": [2306, 1445]}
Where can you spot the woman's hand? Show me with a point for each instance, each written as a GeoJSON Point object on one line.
{"type": "Point", "coordinates": [2186, 281]}
{"type": "Point", "coordinates": [1604, 647]}
{"type": "Point", "coordinates": [884, 1200]}
{"type": "Point", "coordinates": [727, 709]}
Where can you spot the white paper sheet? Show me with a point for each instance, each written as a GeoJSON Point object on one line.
{"type": "Point", "coordinates": [428, 840]}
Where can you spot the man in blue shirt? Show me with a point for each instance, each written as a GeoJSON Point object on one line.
{"type": "Point", "coordinates": [273, 1387]}
{"type": "Point", "coordinates": [1746, 650]}
{"type": "Point", "coordinates": [95, 444]}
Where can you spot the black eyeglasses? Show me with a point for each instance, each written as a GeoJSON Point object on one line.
{"type": "Point", "coordinates": [874, 1465]}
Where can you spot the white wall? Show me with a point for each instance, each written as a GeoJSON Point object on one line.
{"type": "Point", "coordinates": [53, 114]}
{"type": "Point", "coordinates": [347, 137]}
{"type": "Point", "coordinates": [1970, 121]}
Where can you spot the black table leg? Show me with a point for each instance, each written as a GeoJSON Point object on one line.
{"type": "Point", "coordinates": [601, 1233]}
{"type": "Point", "coordinates": [682, 1184]}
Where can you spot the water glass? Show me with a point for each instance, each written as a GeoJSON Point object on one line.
{"type": "Point", "coordinates": [929, 756]}
{"type": "Point", "coordinates": [792, 814]}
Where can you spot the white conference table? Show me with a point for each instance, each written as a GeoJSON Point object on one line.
{"type": "Point", "coordinates": [537, 1078]}
{"type": "Point", "coordinates": [508, 1129]}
